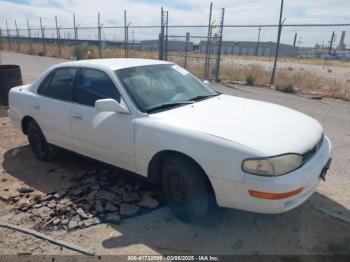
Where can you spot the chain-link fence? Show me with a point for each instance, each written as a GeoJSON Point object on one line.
{"type": "Point", "coordinates": [310, 56]}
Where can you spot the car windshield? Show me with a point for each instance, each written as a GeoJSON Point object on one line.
{"type": "Point", "coordinates": [164, 86]}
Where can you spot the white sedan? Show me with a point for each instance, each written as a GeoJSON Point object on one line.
{"type": "Point", "coordinates": [156, 119]}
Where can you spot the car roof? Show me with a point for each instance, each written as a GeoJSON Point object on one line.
{"type": "Point", "coordinates": [115, 63]}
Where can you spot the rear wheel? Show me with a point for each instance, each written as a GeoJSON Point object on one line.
{"type": "Point", "coordinates": [37, 142]}
{"type": "Point", "coordinates": [185, 188]}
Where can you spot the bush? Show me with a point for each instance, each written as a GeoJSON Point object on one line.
{"type": "Point", "coordinates": [250, 80]}
{"type": "Point", "coordinates": [81, 51]}
{"type": "Point", "coordinates": [288, 88]}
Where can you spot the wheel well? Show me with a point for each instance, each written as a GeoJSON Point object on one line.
{"type": "Point", "coordinates": [155, 165]}
{"type": "Point", "coordinates": [25, 122]}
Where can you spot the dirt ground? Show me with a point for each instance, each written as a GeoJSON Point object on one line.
{"type": "Point", "coordinates": [302, 231]}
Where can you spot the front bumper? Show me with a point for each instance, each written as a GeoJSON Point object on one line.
{"type": "Point", "coordinates": [235, 194]}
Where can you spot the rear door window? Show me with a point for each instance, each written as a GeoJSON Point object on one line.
{"type": "Point", "coordinates": [61, 85]}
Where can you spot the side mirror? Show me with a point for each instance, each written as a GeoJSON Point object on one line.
{"type": "Point", "coordinates": [110, 105]}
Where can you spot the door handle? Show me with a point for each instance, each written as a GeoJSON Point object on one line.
{"type": "Point", "coordinates": [77, 116]}
{"type": "Point", "coordinates": [36, 106]}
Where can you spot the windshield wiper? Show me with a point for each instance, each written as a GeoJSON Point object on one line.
{"type": "Point", "coordinates": [197, 98]}
{"type": "Point", "coordinates": [168, 105]}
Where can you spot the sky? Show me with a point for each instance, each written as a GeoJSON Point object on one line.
{"type": "Point", "coordinates": [183, 12]}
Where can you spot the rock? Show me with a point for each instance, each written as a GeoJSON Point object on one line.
{"type": "Point", "coordinates": [128, 209]}
{"type": "Point", "coordinates": [113, 218]}
{"type": "Point", "coordinates": [98, 206]}
{"type": "Point", "coordinates": [86, 207]}
{"type": "Point", "coordinates": [25, 189]}
{"type": "Point", "coordinates": [56, 221]}
{"type": "Point", "coordinates": [38, 205]}
{"type": "Point", "coordinates": [60, 193]}
{"type": "Point", "coordinates": [47, 197]}
{"type": "Point", "coordinates": [148, 201]}
{"type": "Point", "coordinates": [77, 191]}
{"type": "Point", "coordinates": [117, 200]}
{"type": "Point", "coordinates": [90, 180]}
{"type": "Point", "coordinates": [128, 187]}
{"type": "Point", "coordinates": [43, 212]}
{"type": "Point", "coordinates": [91, 221]}
{"type": "Point", "coordinates": [95, 187]}
{"type": "Point", "coordinates": [51, 204]}
{"type": "Point", "coordinates": [92, 195]}
{"type": "Point", "coordinates": [110, 207]}
{"type": "Point", "coordinates": [131, 197]}
{"type": "Point", "coordinates": [62, 208]}
{"type": "Point", "coordinates": [4, 179]}
{"type": "Point", "coordinates": [65, 221]}
{"type": "Point", "coordinates": [81, 213]}
{"type": "Point", "coordinates": [118, 190]}
{"type": "Point", "coordinates": [103, 194]}
{"type": "Point", "coordinates": [15, 152]}
{"type": "Point", "coordinates": [24, 207]}
{"type": "Point", "coordinates": [72, 224]}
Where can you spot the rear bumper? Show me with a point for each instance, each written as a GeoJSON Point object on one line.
{"type": "Point", "coordinates": [235, 194]}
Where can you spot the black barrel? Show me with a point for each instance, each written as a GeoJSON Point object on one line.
{"type": "Point", "coordinates": [10, 76]}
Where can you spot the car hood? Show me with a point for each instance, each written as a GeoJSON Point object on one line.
{"type": "Point", "coordinates": [265, 127]}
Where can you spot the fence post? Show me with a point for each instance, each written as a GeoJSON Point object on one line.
{"type": "Point", "coordinates": [17, 38]}
{"type": "Point", "coordinates": [75, 28]}
{"type": "Point", "coordinates": [207, 48]}
{"type": "Point", "coordinates": [1, 40]}
{"type": "Point", "coordinates": [186, 47]}
{"type": "Point", "coordinates": [99, 37]}
{"type": "Point", "coordinates": [258, 44]}
{"type": "Point", "coordinates": [277, 46]}
{"type": "Point", "coordinates": [126, 36]}
{"type": "Point", "coordinates": [331, 44]}
{"type": "Point", "coordinates": [166, 36]}
{"type": "Point", "coordinates": [43, 36]}
{"type": "Point", "coordinates": [161, 35]}
{"type": "Point", "coordinates": [58, 38]}
{"type": "Point", "coordinates": [8, 36]}
{"type": "Point", "coordinates": [29, 37]}
{"type": "Point", "coordinates": [218, 56]}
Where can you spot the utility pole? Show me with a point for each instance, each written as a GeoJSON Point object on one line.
{"type": "Point", "coordinates": [331, 44]}
{"type": "Point", "coordinates": [278, 45]}
{"type": "Point", "coordinates": [295, 39]}
{"type": "Point", "coordinates": [258, 44]}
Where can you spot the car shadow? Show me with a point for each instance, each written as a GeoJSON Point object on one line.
{"type": "Point", "coordinates": [304, 230]}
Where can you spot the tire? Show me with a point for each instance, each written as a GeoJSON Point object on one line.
{"type": "Point", "coordinates": [185, 189]}
{"type": "Point", "coordinates": [37, 142]}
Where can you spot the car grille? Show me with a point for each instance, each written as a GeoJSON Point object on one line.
{"type": "Point", "coordinates": [309, 154]}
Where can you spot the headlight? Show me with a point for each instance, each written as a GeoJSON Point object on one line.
{"type": "Point", "coordinates": [272, 166]}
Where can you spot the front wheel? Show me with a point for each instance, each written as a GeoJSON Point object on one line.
{"type": "Point", "coordinates": [37, 142]}
{"type": "Point", "coordinates": [185, 188]}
